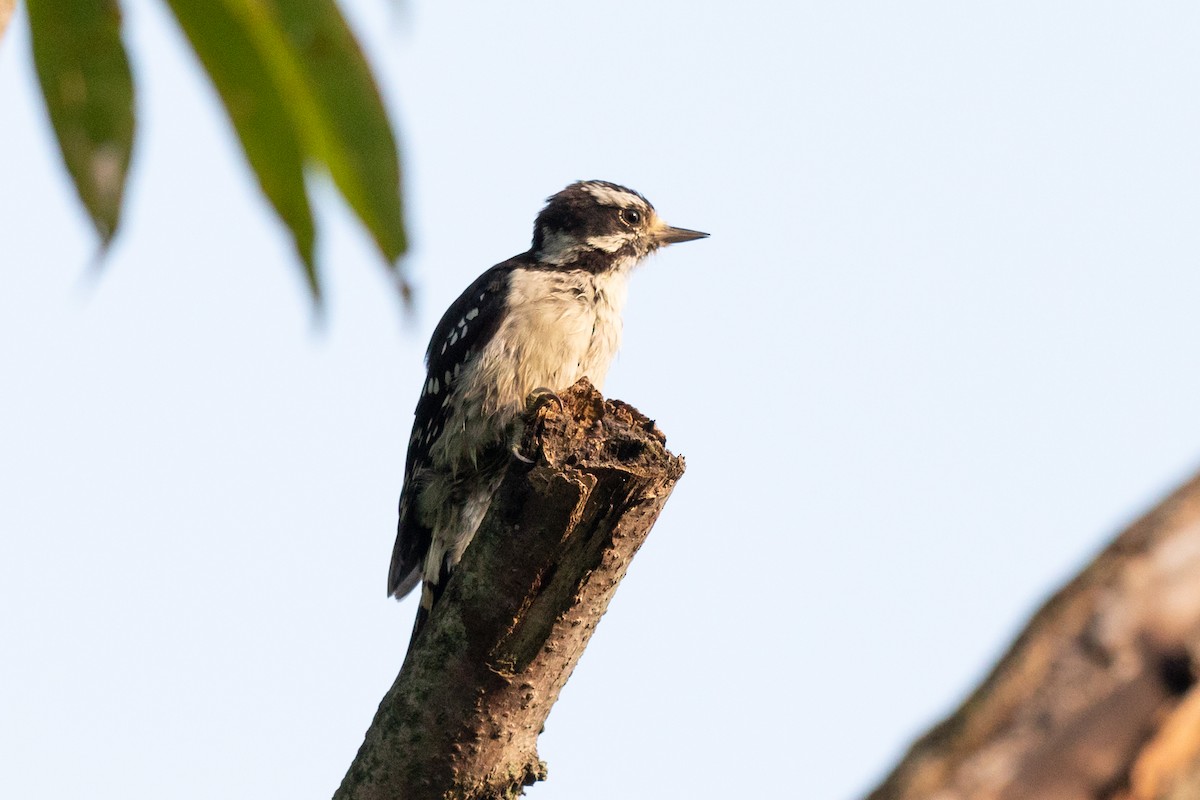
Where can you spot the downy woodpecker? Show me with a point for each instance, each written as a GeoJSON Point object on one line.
{"type": "Point", "coordinates": [540, 320]}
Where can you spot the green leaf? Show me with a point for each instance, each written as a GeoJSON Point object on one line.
{"type": "Point", "coordinates": [335, 97]}
{"type": "Point", "coordinates": [246, 82]}
{"type": "Point", "coordinates": [299, 91]}
{"type": "Point", "coordinates": [84, 74]}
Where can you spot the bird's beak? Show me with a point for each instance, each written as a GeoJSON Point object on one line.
{"type": "Point", "coordinates": [668, 235]}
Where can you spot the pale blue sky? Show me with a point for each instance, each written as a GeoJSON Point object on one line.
{"type": "Point", "coordinates": [940, 347]}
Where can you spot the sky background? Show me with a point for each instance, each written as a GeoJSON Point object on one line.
{"type": "Point", "coordinates": [940, 348]}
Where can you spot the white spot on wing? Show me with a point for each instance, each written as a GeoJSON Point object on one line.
{"type": "Point", "coordinates": [472, 314]}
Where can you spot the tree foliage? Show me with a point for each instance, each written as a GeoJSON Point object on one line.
{"type": "Point", "coordinates": [293, 81]}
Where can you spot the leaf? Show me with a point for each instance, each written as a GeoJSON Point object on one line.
{"type": "Point", "coordinates": [299, 91]}
{"type": "Point", "coordinates": [335, 96]}
{"type": "Point", "coordinates": [84, 74]}
{"type": "Point", "coordinates": [246, 82]}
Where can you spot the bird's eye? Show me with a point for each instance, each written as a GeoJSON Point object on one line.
{"type": "Point", "coordinates": [631, 216]}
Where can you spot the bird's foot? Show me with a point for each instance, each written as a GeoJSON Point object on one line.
{"type": "Point", "coordinates": [541, 397]}
{"type": "Point", "coordinates": [538, 399]}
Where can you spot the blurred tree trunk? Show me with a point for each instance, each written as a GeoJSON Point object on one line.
{"type": "Point", "coordinates": [463, 717]}
{"type": "Point", "coordinates": [1097, 698]}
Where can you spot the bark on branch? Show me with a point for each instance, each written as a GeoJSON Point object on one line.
{"type": "Point", "coordinates": [1097, 699]}
{"type": "Point", "coordinates": [463, 717]}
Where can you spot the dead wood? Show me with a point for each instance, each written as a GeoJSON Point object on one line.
{"type": "Point", "coordinates": [1097, 698]}
{"type": "Point", "coordinates": [463, 717]}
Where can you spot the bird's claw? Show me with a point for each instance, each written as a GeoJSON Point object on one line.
{"type": "Point", "coordinates": [538, 399]}
{"type": "Point", "coordinates": [541, 397]}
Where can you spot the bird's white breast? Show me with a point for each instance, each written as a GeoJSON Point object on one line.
{"type": "Point", "coordinates": [559, 327]}
{"type": "Point", "coordinates": [568, 325]}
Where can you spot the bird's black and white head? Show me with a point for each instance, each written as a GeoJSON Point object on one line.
{"type": "Point", "coordinates": [599, 226]}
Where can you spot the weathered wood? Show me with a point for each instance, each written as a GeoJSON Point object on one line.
{"type": "Point", "coordinates": [1097, 698]}
{"type": "Point", "coordinates": [463, 717]}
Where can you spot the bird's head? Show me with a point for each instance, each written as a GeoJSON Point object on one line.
{"type": "Point", "coordinates": [596, 225]}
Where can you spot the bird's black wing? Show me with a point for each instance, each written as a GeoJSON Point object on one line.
{"type": "Point", "coordinates": [466, 327]}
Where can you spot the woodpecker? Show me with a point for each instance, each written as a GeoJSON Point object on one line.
{"type": "Point", "coordinates": [538, 321]}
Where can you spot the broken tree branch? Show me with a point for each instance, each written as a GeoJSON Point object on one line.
{"type": "Point", "coordinates": [463, 717]}
{"type": "Point", "coordinates": [1097, 699]}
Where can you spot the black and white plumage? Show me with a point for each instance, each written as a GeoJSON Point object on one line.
{"type": "Point", "coordinates": [540, 320]}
